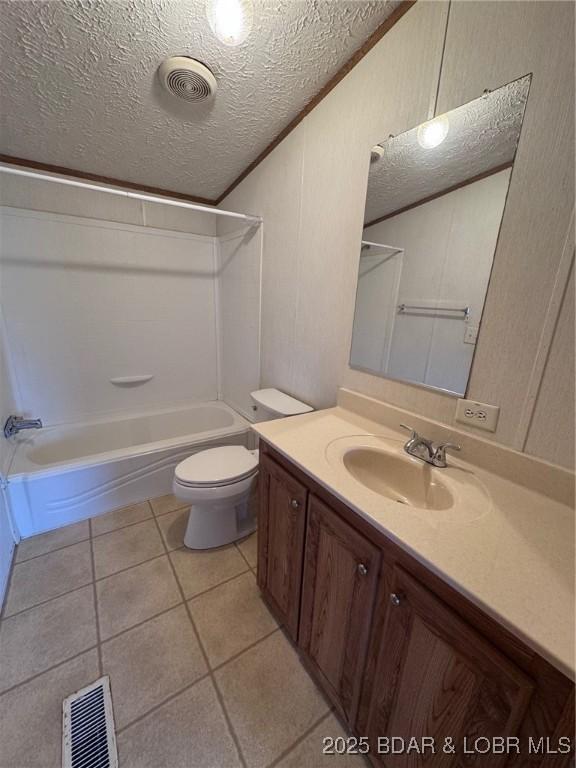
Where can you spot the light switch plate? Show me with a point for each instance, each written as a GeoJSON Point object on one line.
{"type": "Point", "coordinates": [478, 415]}
{"type": "Point", "coordinates": [471, 334]}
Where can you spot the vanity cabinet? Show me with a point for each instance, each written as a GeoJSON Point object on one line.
{"type": "Point", "coordinates": [438, 678]}
{"type": "Point", "coordinates": [398, 650]}
{"type": "Point", "coordinates": [341, 570]}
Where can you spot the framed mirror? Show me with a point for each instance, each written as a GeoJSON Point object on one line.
{"type": "Point", "coordinates": [434, 205]}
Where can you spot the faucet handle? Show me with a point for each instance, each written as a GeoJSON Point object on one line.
{"type": "Point", "coordinates": [445, 446]}
{"type": "Point", "coordinates": [440, 452]}
{"type": "Point", "coordinates": [414, 434]}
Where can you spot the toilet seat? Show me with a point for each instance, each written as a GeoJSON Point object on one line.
{"type": "Point", "coordinates": [217, 467]}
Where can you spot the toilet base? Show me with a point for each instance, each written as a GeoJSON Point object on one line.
{"type": "Point", "coordinates": [217, 523]}
{"type": "Point", "coordinates": [223, 528]}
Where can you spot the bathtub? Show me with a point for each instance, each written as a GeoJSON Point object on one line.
{"type": "Point", "coordinates": [61, 475]}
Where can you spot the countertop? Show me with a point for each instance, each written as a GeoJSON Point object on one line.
{"type": "Point", "coordinates": [515, 560]}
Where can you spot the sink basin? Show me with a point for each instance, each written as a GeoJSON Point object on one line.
{"type": "Point", "coordinates": [381, 471]}
{"type": "Point", "coordinates": [403, 480]}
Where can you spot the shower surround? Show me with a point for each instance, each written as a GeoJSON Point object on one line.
{"type": "Point", "coordinates": [128, 322]}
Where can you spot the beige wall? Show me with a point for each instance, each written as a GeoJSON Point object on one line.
{"type": "Point", "coordinates": [311, 189]}
{"type": "Point", "coordinates": [553, 412]}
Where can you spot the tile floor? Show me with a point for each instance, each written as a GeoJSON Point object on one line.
{"type": "Point", "coordinates": [201, 675]}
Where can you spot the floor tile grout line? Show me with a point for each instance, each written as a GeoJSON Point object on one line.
{"type": "Point", "coordinates": [250, 647]}
{"type": "Point", "coordinates": [93, 535]}
{"type": "Point", "coordinates": [100, 642]}
{"type": "Point", "coordinates": [220, 584]}
{"type": "Point", "coordinates": [75, 589]}
{"type": "Point", "coordinates": [95, 598]}
{"type": "Point", "coordinates": [128, 568]}
{"type": "Point", "coordinates": [211, 670]}
{"type": "Point", "coordinates": [51, 551]}
{"type": "Point", "coordinates": [141, 623]}
{"type": "Point", "coordinates": [300, 739]}
{"type": "Point", "coordinates": [206, 660]}
{"type": "Point", "coordinates": [161, 514]}
{"type": "Point", "coordinates": [95, 579]}
{"type": "Point", "coordinates": [120, 527]}
{"type": "Point", "coordinates": [162, 703]}
{"type": "Point", "coordinates": [219, 695]}
{"type": "Point", "coordinates": [175, 694]}
{"type": "Point", "coordinates": [116, 573]}
{"type": "Point", "coordinates": [243, 555]}
{"type": "Point", "coordinates": [87, 583]}
{"type": "Point", "coordinates": [206, 675]}
{"type": "Point", "coordinates": [48, 669]}
{"type": "Point", "coordinates": [44, 602]}
{"type": "Point", "coordinates": [209, 675]}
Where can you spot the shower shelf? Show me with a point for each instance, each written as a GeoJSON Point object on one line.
{"type": "Point", "coordinates": [130, 381]}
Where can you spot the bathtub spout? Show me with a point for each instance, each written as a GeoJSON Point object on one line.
{"type": "Point", "coordinates": [15, 424]}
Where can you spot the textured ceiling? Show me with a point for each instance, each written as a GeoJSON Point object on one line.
{"type": "Point", "coordinates": [482, 135]}
{"type": "Point", "coordinates": [78, 86]}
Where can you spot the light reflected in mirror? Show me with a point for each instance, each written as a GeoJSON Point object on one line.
{"type": "Point", "coordinates": [434, 204]}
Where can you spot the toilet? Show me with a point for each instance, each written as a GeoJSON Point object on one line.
{"type": "Point", "coordinates": [220, 484]}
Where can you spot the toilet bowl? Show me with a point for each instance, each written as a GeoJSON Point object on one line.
{"type": "Point", "coordinates": [220, 484]}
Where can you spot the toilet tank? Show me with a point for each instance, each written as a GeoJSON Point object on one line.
{"type": "Point", "coordinates": [274, 404]}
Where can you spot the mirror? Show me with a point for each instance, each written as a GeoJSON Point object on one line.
{"type": "Point", "coordinates": [434, 204]}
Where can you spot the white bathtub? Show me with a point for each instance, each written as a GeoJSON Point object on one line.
{"type": "Point", "coordinates": [61, 475]}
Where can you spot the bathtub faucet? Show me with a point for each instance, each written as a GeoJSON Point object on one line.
{"type": "Point", "coordinates": [16, 423]}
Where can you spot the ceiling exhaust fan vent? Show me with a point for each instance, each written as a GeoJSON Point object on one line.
{"type": "Point", "coordinates": [187, 78]}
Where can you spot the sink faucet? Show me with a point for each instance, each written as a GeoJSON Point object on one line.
{"type": "Point", "coordinates": [426, 450]}
{"type": "Point", "coordinates": [16, 423]}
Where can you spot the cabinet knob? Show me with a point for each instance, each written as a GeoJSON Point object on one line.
{"type": "Point", "coordinates": [395, 599]}
{"type": "Point", "coordinates": [294, 503]}
{"type": "Point", "coordinates": [362, 570]}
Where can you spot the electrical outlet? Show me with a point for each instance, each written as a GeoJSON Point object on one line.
{"type": "Point", "coordinates": [479, 415]}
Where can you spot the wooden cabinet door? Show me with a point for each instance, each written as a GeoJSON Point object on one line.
{"type": "Point", "coordinates": [437, 677]}
{"type": "Point", "coordinates": [340, 575]}
{"type": "Point", "coordinates": [281, 529]}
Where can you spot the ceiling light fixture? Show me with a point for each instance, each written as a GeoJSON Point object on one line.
{"type": "Point", "coordinates": [230, 20]}
{"type": "Point", "coordinates": [433, 133]}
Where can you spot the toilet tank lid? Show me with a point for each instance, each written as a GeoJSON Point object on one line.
{"type": "Point", "coordinates": [279, 402]}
